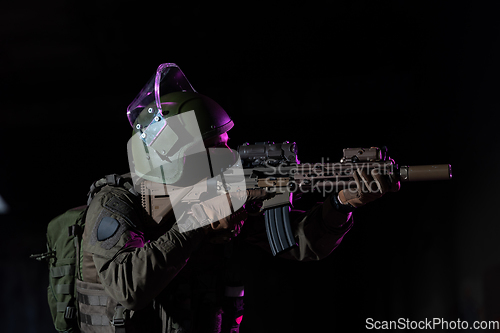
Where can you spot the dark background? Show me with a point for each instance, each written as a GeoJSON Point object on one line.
{"type": "Point", "coordinates": [418, 76]}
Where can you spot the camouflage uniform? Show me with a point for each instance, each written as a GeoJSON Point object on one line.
{"type": "Point", "coordinates": [167, 281]}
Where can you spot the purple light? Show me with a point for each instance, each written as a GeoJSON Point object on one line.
{"type": "Point", "coordinates": [136, 240]}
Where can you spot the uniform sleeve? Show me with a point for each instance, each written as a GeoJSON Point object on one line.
{"type": "Point", "coordinates": [317, 232]}
{"type": "Point", "coordinates": [131, 271]}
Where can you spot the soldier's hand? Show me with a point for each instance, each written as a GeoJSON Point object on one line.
{"type": "Point", "coordinates": [228, 227]}
{"type": "Point", "coordinates": [215, 215]}
{"type": "Point", "coordinates": [369, 187]}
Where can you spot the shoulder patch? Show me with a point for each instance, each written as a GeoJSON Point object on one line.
{"type": "Point", "coordinates": [107, 228]}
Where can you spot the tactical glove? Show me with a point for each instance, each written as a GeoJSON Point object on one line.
{"type": "Point", "coordinates": [228, 227]}
{"type": "Point", "coordinates": [369, 187]}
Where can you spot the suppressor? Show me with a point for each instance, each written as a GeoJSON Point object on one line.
{"type": "Point", "coordinates": [417, 173]}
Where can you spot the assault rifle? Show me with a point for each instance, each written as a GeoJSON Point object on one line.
{"type": "Point", "coordinates": [276, 168]}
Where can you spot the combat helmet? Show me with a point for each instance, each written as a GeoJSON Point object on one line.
{"type": "Point", "coordinates": [170, 120]}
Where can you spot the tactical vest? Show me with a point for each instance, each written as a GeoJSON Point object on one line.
{"type": "Point", "coordinates": [99, 313]}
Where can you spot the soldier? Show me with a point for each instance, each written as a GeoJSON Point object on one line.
{"type": "Point", "coordinates": [152, 263]}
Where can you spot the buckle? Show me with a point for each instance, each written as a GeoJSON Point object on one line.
{"type": "Point", "coordinates": [69, 313]}
{"type": "Point", "coordinates": [119, 316]}
{"type": "Point", "coordinates": [113, 179]}
{"type": "Point", "coordinates": [118, 322]}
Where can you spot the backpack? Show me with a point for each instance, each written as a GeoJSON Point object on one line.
{"type": "Point", "coordinates": [64, 240]}
{"type": "Point", "coordinates": [64, 236]}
